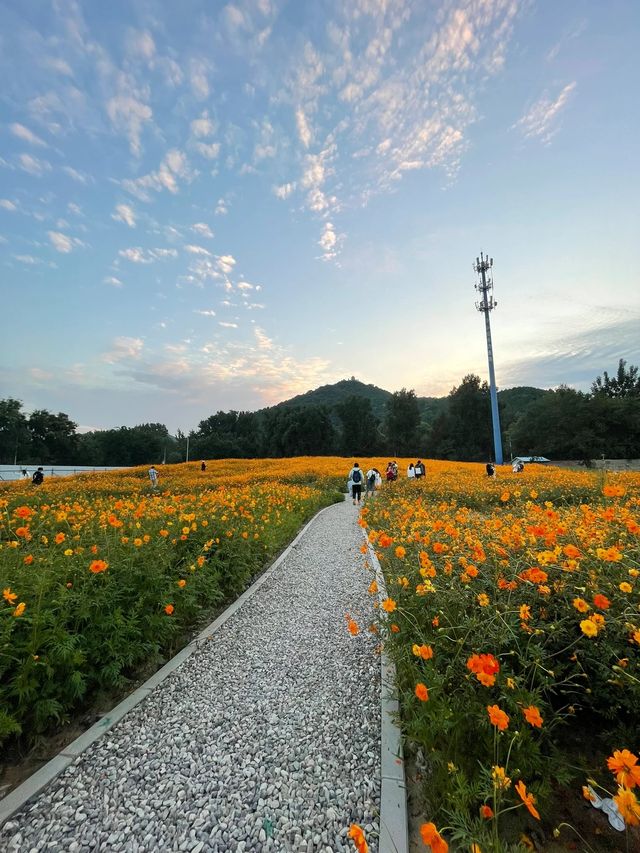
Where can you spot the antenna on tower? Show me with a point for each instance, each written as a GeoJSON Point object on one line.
{"type": "Point", "coordinates": [483, 266]}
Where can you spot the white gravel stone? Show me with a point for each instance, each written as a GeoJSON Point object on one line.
{"type": "Point", "coordinates": [266, 738]}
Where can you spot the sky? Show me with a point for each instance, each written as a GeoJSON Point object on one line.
{"type": "Point", "coordinates": [210, 206]}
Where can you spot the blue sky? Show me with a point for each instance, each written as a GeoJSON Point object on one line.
{"type": "Point", "coordinates": [209, 206]}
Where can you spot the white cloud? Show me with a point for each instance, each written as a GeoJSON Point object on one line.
{"type": "Point", "coordinates": [58, 65]}
{"type": "Point", "coordinates": [80, 177]}
{"type": "Point", "coordinates": [129, 115]}
{"type": "Point", "coordinates": [197, 250]}
{"type": "Point", "coordinates": [206, 312]}
{"type": "Point", "coordinates": [140, 43]}
{"type": "Point", "coordinates": [198, 76]}
{"type": "Point", "coordinates": [540, 119]}
{"type": "Point", "coordinates": [27, 259]}
{"type": "Point", "coordinates": [202, 229]}
{"type": "Point", "coordinates": [228, 325]}
{"type": "Point", "coordinates": [27, 135]}
{"type": "Point", "coordinates": [244, 285]}
{"type": "Point", "coordinates": [7, 204]}
{"type": "Point", "coordinates": [33, 166]}
{"type": "Point", "coordinates": [61, 242]}
{"type": "Point", "coordinates": [226, 263]}
{"type": "Point", "coordinates": [304, 131]}
{"type": "Point", "coordinates": [124, 348]}
{"type": "Point", "coordinates": [173, 166]}
{"type": "Point", "coordinates": [235, 17]}
{"type": "Point", "coordinates": [221, 207]}
{"type": "Point", "coordinates": [329, 242]}
{"type": "Point", "coordinates": [203, 126]}
{"type": "Point", "coordinates": [113, 281]}
{"type": "Point", "coordinates": [284, 190]}
{"type": "Point", "coordinates": [124, 213]}
{"type": "Point", "coordinates": [137, 255]}
{"type": "Point", "coordinates": [208, 150]}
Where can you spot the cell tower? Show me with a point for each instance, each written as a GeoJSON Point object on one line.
{"type": "Point", "coordinates": [486, 304]}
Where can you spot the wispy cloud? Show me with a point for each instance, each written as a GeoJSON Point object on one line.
{"type": "Point", "coordinates": [62, 243]}
{"type": "Point", "coordinates": [137, 255]}
{"type": "Point", "coordinates": [541, 119]}
{"type": "Point", "coordinates": [226, 325]}
{"type": "Point", "coordinates": [129, 115]}
{"type": "Point", "coordinates": [26, 135]}
{"type": "Point", "coordinates": [33, 165]}
{"type": "Point", "coordinates": [112, 281]}
{"type": "Point", "coordinates": [124, 348]}
{"type": "Point", "coordinates": [202, 229]}
{"type": "Point", "coordinates": [173, 167]}
{"type": "Point", "coordinates": [7, 204]}
{"type": "Point", "coordinates": [124, 213]}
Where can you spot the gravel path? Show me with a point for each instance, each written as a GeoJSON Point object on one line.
{"type": "Point", "coordinates": [267, 738]}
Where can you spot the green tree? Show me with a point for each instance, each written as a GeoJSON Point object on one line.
{"type": "Point", "coordinates": [53, 438]}
{"type": "Point", "coordinates": [14, 432]}
{"type": "Point", "coordinates": [464, 432]}
{"type": "Point", "coordinates": [402, 422]}
{"type": "Point", "coordinates": [626, 383]}
{"type": "Point", "coordinates": [359, 426]}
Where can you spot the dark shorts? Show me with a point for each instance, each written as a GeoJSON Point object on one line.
{"type": "Point", "coordinates": [356, 490]}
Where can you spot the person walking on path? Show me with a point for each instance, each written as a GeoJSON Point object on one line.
{"type": "Point", "coordinates": [411, 472]}
{"type": "Point", "coordinates": [153, 476]}
{"type": "Point", "coordinates": [371, 481]}
{"type": "Point", "coordinates": [355, 478]}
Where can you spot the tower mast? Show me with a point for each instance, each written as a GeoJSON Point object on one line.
{"type": "Point", "coordinates": [486, 304]}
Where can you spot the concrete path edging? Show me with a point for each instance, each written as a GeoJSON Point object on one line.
{"type": "Point", "coordinates": [394, 826]}
{"type": "Point", "coordinates": [41, 778]}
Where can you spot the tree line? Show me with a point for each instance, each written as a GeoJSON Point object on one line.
{"type": "Point", "coordinates": [559, 424]}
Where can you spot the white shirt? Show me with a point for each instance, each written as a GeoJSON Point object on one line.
{"type": "Point", "coordinates": [411, 473]}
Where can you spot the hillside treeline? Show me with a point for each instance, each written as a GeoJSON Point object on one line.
{"type": "Point", "coordinates": [559, 424]}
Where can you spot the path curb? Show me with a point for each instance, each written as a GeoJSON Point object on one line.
{"type": "Point", "coordinates": [53, 768]}
{"type": "Point", "coordinates": [394, 827]}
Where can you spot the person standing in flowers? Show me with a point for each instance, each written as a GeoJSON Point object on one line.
{"type": "Point", "coordinates": [153, 476]}
{"type": "Point", "coordinates": [203, 466]}
{"type": "Point", "coordinates": [355, 478]}
{"type": "Point", "coordinates": [411, 471]}
{"type": "Point", "coordinates": [491, 469]}
{"type": "Point", "coordinates": [420, 469]}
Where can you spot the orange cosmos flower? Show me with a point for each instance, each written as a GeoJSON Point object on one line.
{"type": "Point", "coordinates": [580, 605]}
{"type": "Point", "coordinates": [27, 560]}
{"type": "Point", "coordinates": [22, 532]}
{"type": "Point", "coordinates": [504, 497]}
{"type": "Point", "coordinates": [532, 716]}
{"type": "Point", "coordinates": [421, 692]}
{"type": "Point", "coordinates": [432, 838]}
{"type": "Point", "coordinates": [396, 630]}
{"type": "Point", "coordinates": [389, 605]}
{"type": "Point", "coordinates": [9, 596]}
{"type": "Point", "coordinates": [352, 627]}
{"type": "Point", "coordinates": [527, 799]}
{"type": "Point", "coordinates": [601, 601]}
{"type": "Point", "coordinates": [357, 836]}
{"type": "Point", "coordinates": [485, 667]}
{"type": "Point", "coordinates": [182, 583]}
{"type": "Point", "coordinates": [168, 609]}
{"type": "Point", "coordinates": [373, 587]}
{"type": "Point", "coordinates": [98, 566]}
{"type": "Point", "coordinates": [435, 621]}
{"type": "Point", "coordinates": [498, 717]}
{"type": "Point", "coordinates": [628, 806]}
{"type": "Point", "coordinates": [571, 552]}
{"type": "Point", "coordinates": [624, 765]}
{"type": "Point", "coordinates": [636, 637]}
{"type": "Point", "coordinates": [609, 555]}
{"type": "Point", "coordinates": [400, 552]}
{"type": "Point", "coordinates": [589, 628]}
{"type": "Point", "coordinates": [483, 599]}
{"type": "Point", "coordinates": [23, 512]}
{"type": "Point", "coordinates": [525, 612]}
{"type": "Point", "coordinates": [486, 812]}
{"type": "Point", "coordinates": [20, 609]}
{"type": "Point", "coordinates": [58, 538]}
{"type": "Point", "coordinates": [586, 793]}
{"type": "Point", "coordinates": [425, 652]}
{"type": "Point", "coordinates": [625, 587]}
{"type": "Point", "coordinates": [384, 541]}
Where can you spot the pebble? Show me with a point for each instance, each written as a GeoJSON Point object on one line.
{"type": "Point", "coordinates": [266, 739]}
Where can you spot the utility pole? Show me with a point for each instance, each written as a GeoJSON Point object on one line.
{"type": "Point", "coordinates": [486, 304]}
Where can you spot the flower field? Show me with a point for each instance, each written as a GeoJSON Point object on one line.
{"type": "Point", "coordinates": [513, 617]}
{"type": "Point", "coordinates": [101, 574]}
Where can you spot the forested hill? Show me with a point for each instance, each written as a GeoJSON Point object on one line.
{"type": "Point", "coordinates": [333, 395]}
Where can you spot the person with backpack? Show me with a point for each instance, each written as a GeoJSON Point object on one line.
{"type": "Point", "coordinates": [38, 477]}
{"type": "Point", "coordinates": [371, 481]}
{"type": "Point", "coordinates": [356, 478]}
{"type": "Point", "coordinates": [420, 469]}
